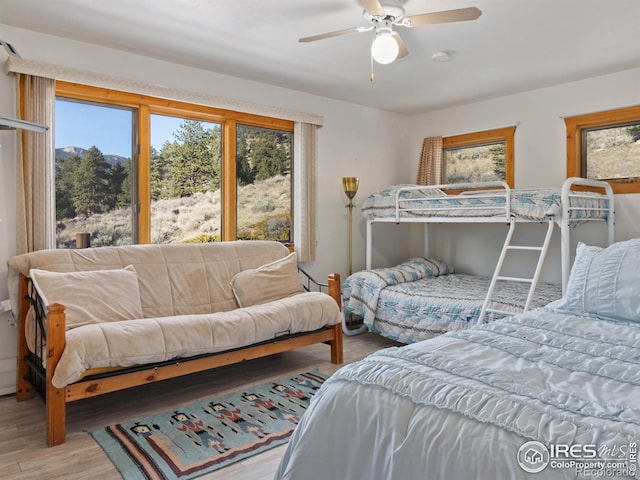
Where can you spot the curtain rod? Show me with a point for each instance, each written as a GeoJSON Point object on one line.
{"type": "Point", "coordinates": [7, 123]}
{"type": "Point", "coordinates": [57, 72]}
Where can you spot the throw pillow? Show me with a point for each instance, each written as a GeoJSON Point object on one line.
{"type": "Point", "coordinates": [91, 296]}
{"type": "Point", "coordinates": [267, 283]}
{"type": "Point", "coordinates": [604, 282]}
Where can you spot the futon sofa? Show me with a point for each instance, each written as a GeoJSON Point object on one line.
{"type": "Point", "coordinates": [97, 320]}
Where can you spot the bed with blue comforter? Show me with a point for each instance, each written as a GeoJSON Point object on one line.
{"type": "Point", "coordinates": [552, 393]}
{"type": "Point", "coordinates": [422, 297]}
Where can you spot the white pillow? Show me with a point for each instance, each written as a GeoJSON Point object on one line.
{"type": "Point", "coordinates": [91, 296]}
{"type": "Point", "coordinates": [605, 282]}
{"type": "Point", "coordinates": [267, 283]}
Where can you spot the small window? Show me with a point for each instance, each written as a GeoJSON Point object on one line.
{"type": "Point", "coordinates": [479, 157]}
{"type": "Point", "coordinates": [606, 146]}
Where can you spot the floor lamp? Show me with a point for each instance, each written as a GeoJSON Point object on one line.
{"type": "Point", "coordinates": [350, 187]}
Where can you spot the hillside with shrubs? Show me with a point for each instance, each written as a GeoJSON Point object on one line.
{"type": "Point", "coordinates": [93, 191]}
{"type": "Point", "coordinates": [263, 213]}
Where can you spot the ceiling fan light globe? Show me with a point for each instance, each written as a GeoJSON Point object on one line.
{"type": "Point", "coordinates": [384, 49]}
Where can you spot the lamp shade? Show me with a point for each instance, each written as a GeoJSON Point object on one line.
{"type": "Point", "coordinates": [350, 186]}
{"type": "Point", "coordinates": [384, 48]}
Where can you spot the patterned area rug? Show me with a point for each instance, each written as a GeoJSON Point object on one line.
{"type": "Point", "coordinates": [190, 441]}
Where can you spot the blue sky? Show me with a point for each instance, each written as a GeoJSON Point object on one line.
{"type": "Point", "coordinates": [84, 125]}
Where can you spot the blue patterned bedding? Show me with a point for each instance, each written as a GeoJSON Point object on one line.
{"type": "Point", "coordinates": [466, 404]}
{"type": "Point", "coordinates": [422, 297]}
{"type": "Point", "coordinates": [532, 204]}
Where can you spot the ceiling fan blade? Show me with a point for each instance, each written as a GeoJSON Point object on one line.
{"type": "Point", "coordinates": [337, 33]}
{"type": "Point", "coordinates": [372, 7]}
{"type": "Point", "coordinates": [446, 16]}
{"type": "Point", "coordinates": [403, 52]}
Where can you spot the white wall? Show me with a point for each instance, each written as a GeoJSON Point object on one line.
{"type": "Point", "coordinates": [355, 141]}
{"type": "Point", "coordinates": [540, 160]}
{"type": "Point", "coordinates": [8, 346]}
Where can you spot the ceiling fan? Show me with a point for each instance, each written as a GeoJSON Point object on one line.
{"type": "Point", "coordinates": [383, 15]}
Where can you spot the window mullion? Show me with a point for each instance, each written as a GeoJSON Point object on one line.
{"type": "Point", "coordinates": [229, 182]}
{"type": "Point", "coordinates": [144, 175]}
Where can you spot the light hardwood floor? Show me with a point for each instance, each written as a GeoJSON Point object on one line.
{"type": "Point", "coordinates": [24, 455]}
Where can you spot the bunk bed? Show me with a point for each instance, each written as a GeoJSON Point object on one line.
{"type": "Point", "coordinates": [464, 300]}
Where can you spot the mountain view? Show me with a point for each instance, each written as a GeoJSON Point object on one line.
{"type": "Point", "coordinates": [64, 153]}
{"type": "Point", "coordinates": [94, 190]}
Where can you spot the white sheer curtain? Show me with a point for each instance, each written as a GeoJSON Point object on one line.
{"type": "Point", "coordinates": [304, 191]}
{"type": "Point", "coordinates": [36, 167]}
{"type": "Point", "coordinates": [430, 169]}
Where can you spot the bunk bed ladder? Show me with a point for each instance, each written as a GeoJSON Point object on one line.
{"type": "Point", "coordinates": [533, 281]}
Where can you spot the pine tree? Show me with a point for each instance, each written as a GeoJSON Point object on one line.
{"type": "Point", "coordinates": [193, 159]}
{"type": "Point", "coordinates": [245, 173]}
{"type": "Point", "coordinates": [499, 158]}
{"type": "Point", "coordinates": [121, 184]}
{"type": "Point", "coordinates": [269, 157]}
{"type": "Point", "coordinates": [90, 192]}
{"type": "Point", "coordinates": [65, 173]}
{"type": "Point", "coordinates": [159, 182]}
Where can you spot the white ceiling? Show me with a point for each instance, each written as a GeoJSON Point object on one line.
{"type": "Point", "coordinates": [515, 45]}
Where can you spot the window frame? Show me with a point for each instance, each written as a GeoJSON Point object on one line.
{"type": "Point", "coordinates": [146, 105]}
{"type": "Point", "coordinates": [477, 139]}
{"type": "Point", "coordinates": [608, 118]}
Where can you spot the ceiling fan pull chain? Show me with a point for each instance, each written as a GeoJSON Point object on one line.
{"type": "Point", "coordinates": [371, 77]}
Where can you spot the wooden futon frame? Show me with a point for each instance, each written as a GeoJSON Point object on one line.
{"type": "Point", "coordinates": [32, 375]}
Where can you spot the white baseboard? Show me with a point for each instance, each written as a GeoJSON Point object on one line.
{"type": "Point", "coordinates": [7, 376]}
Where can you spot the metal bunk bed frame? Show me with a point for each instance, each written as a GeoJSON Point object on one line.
{"type": "Point", "coordinates": [500, 191]}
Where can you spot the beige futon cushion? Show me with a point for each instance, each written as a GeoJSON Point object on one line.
{"type": "Point", "coordinates": [91, 296]}
{"type": "Point", "coordinates": [149, 340]}
{"type": "Point", "coordinates": [267, 283]}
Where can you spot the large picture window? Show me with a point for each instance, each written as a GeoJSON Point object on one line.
{"type": "Point", "coordinates": [138, 169]}
{"type": "Point", "coordinates": [606, 146]}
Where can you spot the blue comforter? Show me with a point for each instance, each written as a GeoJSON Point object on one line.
{"type": "Point", "coordinates": [462, 405]}
{"type": "Point", "coordinates": [526, 204]}
{"type": "Point", "coordinates": [422, 297]}
{"type": "Point", "coordinates": [361, 291]}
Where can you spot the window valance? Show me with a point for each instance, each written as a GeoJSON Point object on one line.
{"type": "Point", "coordinates": [57, 72]}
